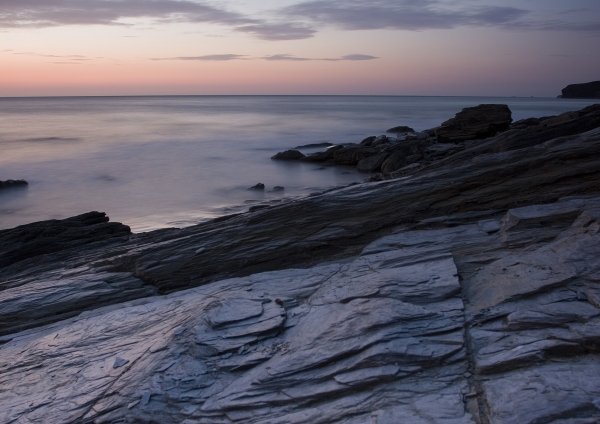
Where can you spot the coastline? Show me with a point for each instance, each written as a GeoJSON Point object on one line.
{"type": "Point", "coordinates": [425, 284]}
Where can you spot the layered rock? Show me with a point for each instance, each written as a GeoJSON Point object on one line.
{"type": "Point", "coordinates": [475, 123]}
{"type": "Point", "coordinates": [351, 155]}
{"type": "Point", "coordinates": [588, 90]}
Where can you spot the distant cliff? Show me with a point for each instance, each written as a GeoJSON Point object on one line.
{"type": "Point", "coordinates": [589, 90]}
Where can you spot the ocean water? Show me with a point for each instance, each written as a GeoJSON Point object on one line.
{"type": "Point", "coordinates": [154, 162]}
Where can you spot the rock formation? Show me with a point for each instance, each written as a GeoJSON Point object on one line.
{"type": "Point", "coordinates": [465, 291]}
{"type": "Point", "coordinates": [289, 155]}
{"type": "Point", "coordinates": [589, 90]}
{"type": "Point", "coordinates": [400, 129]}
{"type": "Point", "coordinates": [475, 123]}
{"type": "Point", "coordinates": [13, 183]}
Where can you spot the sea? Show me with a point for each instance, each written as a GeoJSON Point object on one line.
{"type": "Point", "coordinates": [175, 161]}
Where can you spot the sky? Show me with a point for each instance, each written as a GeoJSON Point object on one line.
{"type": "Point", "coordinates": [363, 47]}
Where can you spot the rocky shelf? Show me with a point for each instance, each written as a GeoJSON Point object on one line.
{"type": "Point", "coordinates": [466, 290]}
{"type": "Point", "coordinates": [391, 157]}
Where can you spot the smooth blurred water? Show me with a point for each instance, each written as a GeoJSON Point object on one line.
{"type": "Point", "coordinates": [154, 162]}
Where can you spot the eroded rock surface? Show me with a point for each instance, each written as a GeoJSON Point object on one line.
{"type": "Point", "coordinates": [475, 123]}
{"type": "Point", "coordinates": [376, 338]}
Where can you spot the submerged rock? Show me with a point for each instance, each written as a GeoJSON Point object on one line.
{"type": "Point", "coordinates": [259, 186]}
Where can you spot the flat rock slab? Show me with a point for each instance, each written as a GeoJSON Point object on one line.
{"type": "Point", "coordinates": [372, 338]}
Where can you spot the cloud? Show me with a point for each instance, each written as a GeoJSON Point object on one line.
{"type": "Point", "coordinates": [289, 57]}
{"type": "Point", "coordinates": [272, 58]}
{"type": "Point", "coordinates": [284, 31]}
{"type": "Point", "coordinates": [400, 14]}
{"type": "Point", "coordinates": [359, 57]}
{"type": "Point", "coordinates": [48, 13]}
{"type": "Point", "coordinates": [208, 58]}
{"type": "Point", "coordinates": [295, 22]}
{"type": "Point", "coordinates": [285, 57]}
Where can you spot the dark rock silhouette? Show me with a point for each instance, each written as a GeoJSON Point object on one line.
{"type": "Point", "coordinates": [288, 155]}
{"type": "Point", "coordinates": [588, 90]}
{"type": "Point", "coordinates": [401, 129]}
{"type": "Point", "coordinates": [475, 123]}
{"type": "Point", "coordinates": [13, 183]}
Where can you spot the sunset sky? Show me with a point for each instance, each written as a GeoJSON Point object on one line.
{"type": "Point", "coordinates": [391, 47]}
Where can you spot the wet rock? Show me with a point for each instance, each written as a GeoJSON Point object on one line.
{"type": "Point", "coordinates": [288, 155]}
{"type": "Point", "coordinates": [40, 238]}
{"type": "Point", "coordinates": [259, 186]}
{"type": "Point", "coordinates": [353, 154]}
{"type": "Point", "coordinates": [401, 129]}
{"type": "Point", "coordinates": [313, 145]}
{"type": "Point", "coordinates": [372, 163]}
{"type": "Point", "coordinates": [319, 156]}
{"type": "Point", "coordinates": [278, 188]}
{"type": "Point", "coordinates": [258, 207]}
{"type": "Point", "coordinates": [475, 123]}
{"type": "Point", "coordinates": [529, 122]}
{"type": "Point", "coordinates": [403, 154]}
{"type": "Point", "coordinates": [13, 183]}
{"type": "Point", "coordinates": [368, 141]}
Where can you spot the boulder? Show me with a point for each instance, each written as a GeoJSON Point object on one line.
{"type": "Point", "coordinates": [353, 154]}
{"type": "Point", "coordinates": [288, 155]}
{"type": "Point", "coordinates": [40, 238]}
{"type": "Point", "coordinates": [13, 183]}
{"type": "Point", "coordinates": [475, 123]}
{"type": "Point", "coordinates": [588, 90]}
{"type": "Point", "coordinates": [368, 141]}
{"type": "Point", "coordinates": [404, 154]}
{"type": "Point", "coordinates": [400, 129]}
{"type": "Point", "coordinates": [372, 163]}
{"type": "Point", "coordinates": [259, 186]}
{"type": "Point", "coordinates": [313, 145]}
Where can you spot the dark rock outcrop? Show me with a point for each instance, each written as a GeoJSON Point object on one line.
{"type": "Point", "coordinates": [403, 154]}
{"type": "Point", "coordinates": [13, 183]}
{"type": "Point", "coordinates": [372, 163]}
{"type": "Point", "coordinates": [588, 90]}
{"type": "Point", "coordinates": [326, 155]}
{"type": "Point", "coordinates": [289, 155]}
{"type": "Point", "coordinates": [259, 186]}
{"type": "Point", "coordinates": [351, 155]}
{"type": "Point", "coordinates": [475, 123]}
{"type": "Point", "coordinates": [40, 238]}
{"type": "Point", "coordinates": [401, 129]}
{"type": "Point", "coordinates": [368, 141]}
